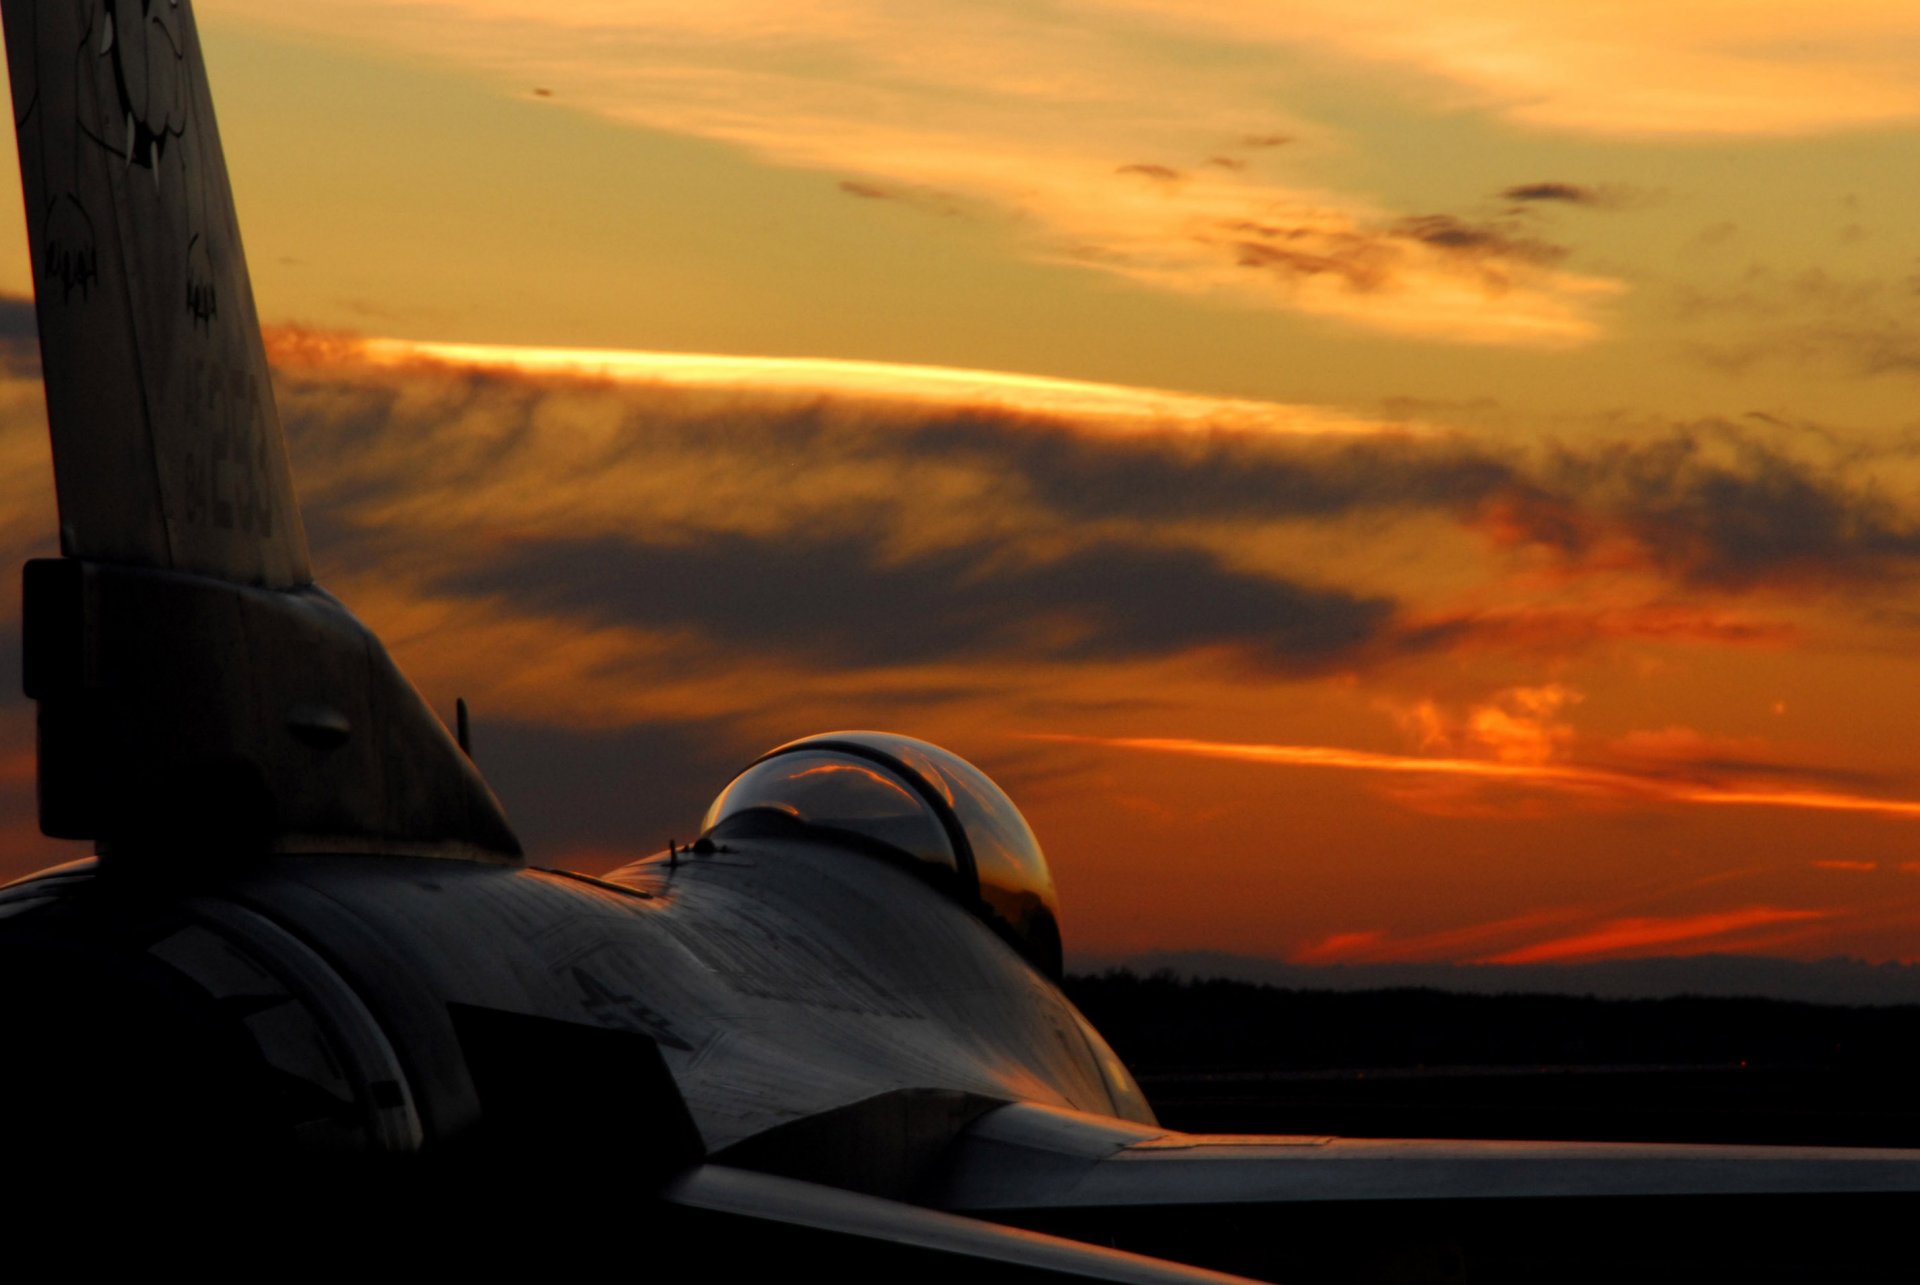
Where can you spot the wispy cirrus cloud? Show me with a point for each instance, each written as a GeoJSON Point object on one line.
{"type": "Point", "coordinates": [1110, 408]}
{"type": "Point", "coordinates": [1568, 935]}
{"type": "Point", "coordinates": [1035, 121]}
{"type": "Point", "coordinates": [1707, 503]}
{"type": "Point", "coordinates": [1625, 938]}
{"type": "Point", "coordinates": [1377, 946]}
{"type": "Point", "coordinates": [1786, 67]}
{"type": "Point", "coordinates": [1822, 318]}
{"type": "Point", "coordinates": [1712, 505]}
{"type": "Point", "coordinates": [967, 479]}
{"type": "Point", "coordinates": [1694, 785]}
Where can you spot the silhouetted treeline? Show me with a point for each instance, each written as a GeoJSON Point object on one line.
{"type": "Point", "coordinates": [1161, 1022]}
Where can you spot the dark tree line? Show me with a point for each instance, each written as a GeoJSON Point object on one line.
{"type": "Point", "coordinates": [1161, 1022]}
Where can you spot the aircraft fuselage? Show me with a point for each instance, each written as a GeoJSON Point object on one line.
{"type": "Point", "coordinates": [774, 981]}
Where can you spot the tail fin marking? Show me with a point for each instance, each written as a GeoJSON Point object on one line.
{"type": "Point", "coordinates": [167, 446]}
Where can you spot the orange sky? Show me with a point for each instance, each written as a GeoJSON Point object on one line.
{"type": "Point", "coordinates": [1376, 482]}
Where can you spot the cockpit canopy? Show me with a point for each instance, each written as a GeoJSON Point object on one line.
{"type": "Point", "coordinates": [916, 803]}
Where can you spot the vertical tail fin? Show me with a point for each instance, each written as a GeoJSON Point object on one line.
{"type": "Point", "coordinates": [166, 444]}
{"type": "Point", "coordinates": [197, 694]}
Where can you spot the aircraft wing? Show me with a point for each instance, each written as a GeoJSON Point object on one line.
{"type": "Point", "coordinates": [1026, 1157]}
{"type": "Point", "coordinates": [759, 1218]}
{"type": "Point", "coordinates": [1035, 1192]}
{"type": "Point", "coordinates": [1320, 1209]}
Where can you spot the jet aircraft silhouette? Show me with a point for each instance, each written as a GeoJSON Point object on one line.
{"type": "Point", "coordinates": [310, 933]}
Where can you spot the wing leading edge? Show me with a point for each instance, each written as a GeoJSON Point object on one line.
{"type": "Point", "coordinates": [765, 1218]}
{"type": "Point", "coordinates": [1319, 1209]}
{"type": "Point", "coordinates": [1027, 1157]}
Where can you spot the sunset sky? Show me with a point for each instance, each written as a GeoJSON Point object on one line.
{"type": "Point", "coordinates": [1375, 480]}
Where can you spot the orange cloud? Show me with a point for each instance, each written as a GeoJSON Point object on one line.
{"type": "Point", "coordinates": [1338, 948]}
{"type": "Point", "coordinates": [1568, 777]}
{"type": "Point", "coordinates": [1683, 934]}
{"type": "Point", "coordinates": [1377, 947]}
{"type": "Point", "coordinates": [1520, 725]}
{"type": "Point", "coordinates": [1857, 866]}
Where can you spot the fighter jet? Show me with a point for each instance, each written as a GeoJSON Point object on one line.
{"type": "Point", "coordinates": [310, 942]}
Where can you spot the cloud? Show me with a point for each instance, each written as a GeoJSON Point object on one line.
{"type": "Point", "coordinates": [1686, 753]}
{"type": "Point", "coordinates": [1657, 935]}
{"type": "Point", "coordinates": [1715, 506]}
{"type": "Point", "coordinates": [1608, 197]}
{"type": "Point", "coordinates": [673, 563]}
{"type": "Point", "coordinates": [1158, 173]}
{"type": "Point", "coordinates": [1018, 472]}
{"type": "Point", "coordinates": [1637, 68]}
{"type": "Point", "coordinates": [846, 601]}
{"type": "Point", "coordinates": [1105, 409]}
{"type": "Point", "coordinates": [1496, 241]}
{"type": "Point", "coordinates": [1017, 115]}
{"type": "Point", "coordinates": [1520, 725]}
{"type": "Point", "coordinates": [1578, 936]}
{"type": "Point", "coordinates": [1374, 946]}
{"type": "Point", "coordinates": [640, 532]}
{"type": "Point", "coordinates": [1421, 273]}
{"type": "Point", "coordinates": [1564, 777]}
{"type": "Point", "coordinates": [1870, 341]}
{"type": "Point", "coordinates": [1816, 317]}
{"type": "Point", "coordinates": [1158, 478]}
{"type": "Point", "coordinates": [1570, 193]}
{"type": "Point", "coordinates": [1559, 630]}
{"type": "Point", "coordinates": [920, 198]}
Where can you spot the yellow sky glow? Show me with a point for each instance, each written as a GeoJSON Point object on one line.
{"type": "Point", "coordinates": [1114, 406]}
